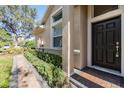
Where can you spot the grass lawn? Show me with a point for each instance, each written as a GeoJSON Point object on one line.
{"type": "Point", "coordinates": [5, 70]}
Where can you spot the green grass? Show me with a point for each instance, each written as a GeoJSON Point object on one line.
{"type": "Point", "coordinates": [5, 70]}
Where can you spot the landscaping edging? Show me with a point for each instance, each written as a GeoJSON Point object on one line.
{"type": "Point", "coordinates": [14, 80]}
{"type": "Point", "coordinates": [41, 81]}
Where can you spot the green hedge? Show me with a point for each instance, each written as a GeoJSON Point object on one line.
{"type": "Point", "coordinates": [1, 50]}
{"type": "Point", "coordinates": [32, 51]}
{"type": "Point", "coordinates": [49, 58]}
{"type": "Point", "coordinates": [54, 75]}
{"type": "Point", "coordinates": [14, 50]}
{"type": "Point", "coordinates": [30, 44]}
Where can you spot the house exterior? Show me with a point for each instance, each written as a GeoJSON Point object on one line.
{"type": "Point", "coordinates": [84, 35]}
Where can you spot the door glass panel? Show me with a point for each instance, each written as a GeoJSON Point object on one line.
{"type": "Point", "coordinates": [101, 9]}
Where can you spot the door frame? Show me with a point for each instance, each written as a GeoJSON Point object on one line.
{"type": "Point", "coordinates": [104, 21]}
{"type": "Point", "coordinates": [108, 15]}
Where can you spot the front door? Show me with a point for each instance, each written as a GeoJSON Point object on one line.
{"type": "Point", "coordinates": [106, 44]}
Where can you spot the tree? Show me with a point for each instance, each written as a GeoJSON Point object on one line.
{"type": "Point", "coordinates": [5, 38]}
{"type": "Point", "coordinates": [30, 44]}
{"type": "Point", "coordinates": [18, 20]}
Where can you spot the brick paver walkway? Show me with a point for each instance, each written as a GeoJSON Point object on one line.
{"type": "Point", "coordinates": [25, 76]}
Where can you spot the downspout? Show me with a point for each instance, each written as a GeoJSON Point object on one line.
{"type": "Point", "coordinates": [69, 49]}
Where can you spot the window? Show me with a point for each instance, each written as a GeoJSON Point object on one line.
{"type": "Point", "coordinates": [57, 16]}
{"type": "Point", "coordinates": [57, 42]}
{"type": "Point", "coordinates": [101, 9]}
{"type": "Point", "coordinates": [57, 29]}
{"type": "Point", "coordinates": [57, 36]}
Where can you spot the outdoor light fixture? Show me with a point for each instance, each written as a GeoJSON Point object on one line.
{"type": "Point", "coordinates": [42, 42]}
{"type": "Point", "coordinates": [42, 45]}
{"type": "Point", "coordinates": [41, 26]}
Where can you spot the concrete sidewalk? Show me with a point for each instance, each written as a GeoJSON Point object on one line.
{"type": "Point", "coordinates": [24, 74]}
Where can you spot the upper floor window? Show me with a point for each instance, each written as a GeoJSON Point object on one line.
{"type": "Point", "coordinates": [57, 16]}
{"type": "Point", "coordinates": [101, 9]}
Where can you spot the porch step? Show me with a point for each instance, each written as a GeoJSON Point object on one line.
{"type": "Point", "coordinates": [92, 78]}
{"type": "Point", "coordinates": [81, 82]}
{"type": "Point", "coordinates": [76, 83]}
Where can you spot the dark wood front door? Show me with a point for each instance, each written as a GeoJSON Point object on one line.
{"type": "Point", "coordinates": [106, 44]}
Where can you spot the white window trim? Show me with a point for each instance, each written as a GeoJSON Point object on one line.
{"type": "Point", "coordinates": [57, 22]}
{"type": "Point", "coordinates": [57, 36]}
{"type": "Point", "coordinates": [104, 16]}
{"type": "Point", "coordinates": [53, 24]}
{"type": "Point", "coordinates": [91, 19]}
{"type": "Point", "coordinates": [54, 13]}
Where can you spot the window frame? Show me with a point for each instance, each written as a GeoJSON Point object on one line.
{"type": "Point", "coordinates": [53, 42]}
{"type": "Point", "coordinates": [57, 14]}
{"type": "Point", "coordinates": [53, 24]}
{"type": "Point", "coordinates": [107, 11]}
{"type": "Point", "coordinates": [55, 36]}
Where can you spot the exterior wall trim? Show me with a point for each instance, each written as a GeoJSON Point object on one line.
{"type": "Point", "coordinates": [47, 14]}
{"type": "Point", "coordinates": [56, 11]}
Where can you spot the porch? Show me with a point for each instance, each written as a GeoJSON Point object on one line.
{"type": "Point", "coordinates": [92, 78]}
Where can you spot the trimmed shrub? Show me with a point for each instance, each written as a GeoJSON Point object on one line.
{"type": "Point", "coordinates": [47, 57]}
{"type": "Point", "coordinates": [1, 50]}
{"type": "Point", "coordinates": [14, 50]}
{"type": "Point", "coordinates": [32, 51]}
{"type": "Point", "coordinates": [4, 84]}
{"type": "Point", "coordinates": [54, 75]}
{"type": "Point", "coordinates": [30, 44]}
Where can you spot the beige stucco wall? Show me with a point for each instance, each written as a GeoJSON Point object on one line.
{"type": "Point", "coordinates": [79, 36]}
{"type": "Point", "coordinates": [67, 49]}
{"type": "Point", "coordinates": [44, 36]}
{"type": "Point", "coordinates": [74, 38]}
{"type": "Point", "coordinates": [83, 36]}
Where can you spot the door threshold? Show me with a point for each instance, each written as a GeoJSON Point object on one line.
{"type": "Point", "coordinates": [111, 71]}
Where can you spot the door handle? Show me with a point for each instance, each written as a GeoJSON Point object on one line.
{"type": "Point", "coordinates": [117, 49]}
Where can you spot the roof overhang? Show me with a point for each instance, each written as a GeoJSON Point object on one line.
{"type": "Point", "coordinates": [45, 17]}
{"type": "Point", "coordinates": [38, 30]}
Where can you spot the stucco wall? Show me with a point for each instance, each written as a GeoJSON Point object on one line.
{"type": "Point", "coordinates": [80, 37]}
{"type": "Point", "coordinates": [67, 49]}
{"type": "Point", "coordinates": [83, 37]}
{"type": "Point", "coordinates": [76, 36]}
{"type": "Point", "coordinates": [44, 36]}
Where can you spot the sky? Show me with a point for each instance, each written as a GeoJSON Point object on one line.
{"type": "Point", "coordinates": [41, 9]}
